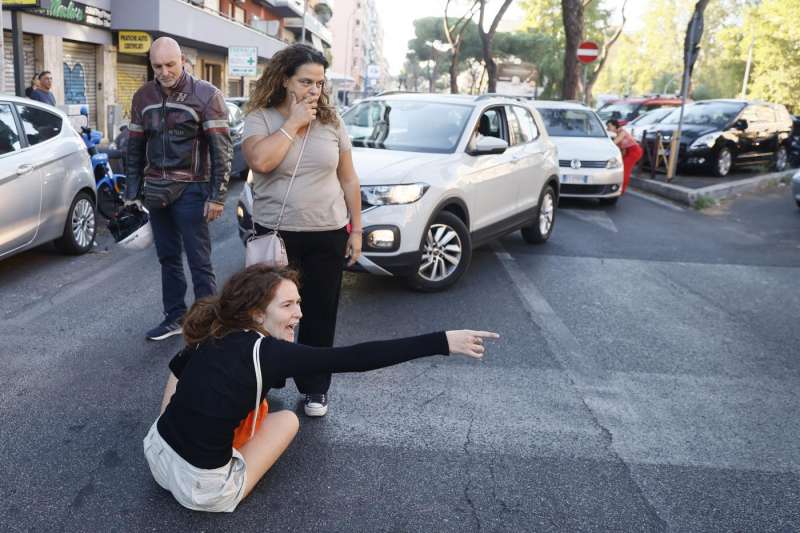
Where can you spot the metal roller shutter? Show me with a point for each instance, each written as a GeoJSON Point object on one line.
{"type": "Point", "coordinates": [8, 52]}
{"type": "Point", "coordinates": [129, 78]}
{"type": "Point", "coordinates": [80, 76]}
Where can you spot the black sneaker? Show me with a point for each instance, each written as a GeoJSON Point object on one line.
{"type": "Point", "coordinates": [315, 404]}
{"type": "Point", "coordinates": [165, 330]}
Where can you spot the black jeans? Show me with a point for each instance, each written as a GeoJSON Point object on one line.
{"type": "Point", "coordinates": [319, 256]}
{"type": "Point", "coordinates": [182, 225]}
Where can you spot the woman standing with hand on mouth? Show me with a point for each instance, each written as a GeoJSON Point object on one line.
{"type": "Point", "coordinates": [289, 103]}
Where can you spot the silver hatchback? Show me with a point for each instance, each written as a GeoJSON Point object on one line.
{"type": "Point", "coordinates": [47, 186]}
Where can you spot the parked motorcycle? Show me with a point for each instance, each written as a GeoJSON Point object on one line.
{"type": "Point", "coordinates": [110, 185]}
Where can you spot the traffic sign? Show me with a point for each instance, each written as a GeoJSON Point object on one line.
{"type": "Point", "coordinates": [588, 52]}
{"type": "Point", "coordinates": [242, 61]}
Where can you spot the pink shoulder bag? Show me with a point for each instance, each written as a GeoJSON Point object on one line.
{"type": "Point", "coordinates": [269, 248]}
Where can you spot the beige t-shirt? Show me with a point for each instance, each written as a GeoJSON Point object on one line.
{"type": "Point", "coordinates": [316, 201]}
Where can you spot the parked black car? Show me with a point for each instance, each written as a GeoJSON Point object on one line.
{"type": "Point", "coordinates": [794, 144]}
{"type": "Point", "coordinates": [720, 134]}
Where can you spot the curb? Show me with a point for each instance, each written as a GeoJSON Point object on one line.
{"type": "Point", "coordinates": [689, 197]}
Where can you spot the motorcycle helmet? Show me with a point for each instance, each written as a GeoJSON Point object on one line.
{"type": "Point", "coordinates": [131, 229]}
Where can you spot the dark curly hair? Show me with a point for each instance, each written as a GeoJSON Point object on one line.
{"type": "Point", "coordinates": [269, 90]}
{"type": "Point", "coordinates": [247, 291]}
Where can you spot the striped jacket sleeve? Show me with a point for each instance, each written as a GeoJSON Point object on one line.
{"type": "Point", "coordinates": [136, 156]}
{"type": "Point", "coordinates": [220, 147]}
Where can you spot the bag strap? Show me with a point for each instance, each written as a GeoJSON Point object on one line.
{"type": "Point", "coordinates": [259, 381]}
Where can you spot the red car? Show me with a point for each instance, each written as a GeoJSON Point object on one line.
{"type": "Point", "coordinates": [627, 109]}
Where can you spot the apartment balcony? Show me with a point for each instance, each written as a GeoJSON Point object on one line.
{"type": "Point", "coordinates": [285, 8]}
{"type": "Point", "coordinates": [313, 25]}
{"type": "Point", "coordinates": [188, 20]}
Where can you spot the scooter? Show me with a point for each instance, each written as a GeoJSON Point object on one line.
{"type": "Point", "coordinates": [110, 186]}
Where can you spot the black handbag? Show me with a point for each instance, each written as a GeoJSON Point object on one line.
{"type": "Point", "coordinates": [160, 194]}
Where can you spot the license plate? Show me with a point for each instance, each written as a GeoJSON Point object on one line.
{"type": "Point", "coordinates": [574, 178]}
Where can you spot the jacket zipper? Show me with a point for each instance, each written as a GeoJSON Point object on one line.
{"type": "Point", "coordinates": [163, 137]}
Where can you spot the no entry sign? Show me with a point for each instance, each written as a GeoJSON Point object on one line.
{"type": "Point", "coordinates": [588, 52]}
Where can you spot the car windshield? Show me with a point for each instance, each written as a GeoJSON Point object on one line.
{"type": "Point", "coordinates": [652, 117]}
{"type": "Point", "coordinates": [407, 125]}
{"type": "Point", "coordinates": [716, 114]}
{"type": "Point", "coordinates": [618, 110]}
{"type": "Point", "coordinates": [572, 123]}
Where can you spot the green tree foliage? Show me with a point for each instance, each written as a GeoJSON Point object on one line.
{"type": "Point", "coordinates": [774, 26]}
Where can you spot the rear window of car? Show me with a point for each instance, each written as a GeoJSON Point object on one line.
{"type": "Point", "coordinates": [572, 123]}
{"type": "Point", "coordinates": [407, 125]}
{"type": "Point", "coordinates": [39, 125]}
{"type": "Point", "coordinates": [618, 110]}
{"type": "Point", "coordinates": [716, 114]}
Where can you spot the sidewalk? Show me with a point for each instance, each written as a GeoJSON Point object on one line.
{"type": "Point", "coordinates": [698, 191]}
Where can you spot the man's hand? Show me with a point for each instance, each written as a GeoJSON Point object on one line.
{"type": "Point", "coordinates": [213, 211]}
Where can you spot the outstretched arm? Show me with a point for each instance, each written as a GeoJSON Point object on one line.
{"type": "Point", "coordinates": [281, 359]}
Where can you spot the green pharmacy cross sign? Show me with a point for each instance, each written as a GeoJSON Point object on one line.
{"type": "Point", "coordinates": [242, 61]}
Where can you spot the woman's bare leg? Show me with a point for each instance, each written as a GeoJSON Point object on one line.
{"type": "Point", "coordinates": [270, 441]}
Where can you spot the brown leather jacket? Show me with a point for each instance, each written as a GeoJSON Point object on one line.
{"type": "Point", "coordinates": [180, 137]}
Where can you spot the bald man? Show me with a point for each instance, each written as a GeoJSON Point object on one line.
{"type": "Point", "coordinates": [179, 160]}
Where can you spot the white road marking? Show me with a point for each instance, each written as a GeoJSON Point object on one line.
{"type": "Point", "coordinates": [649, 198]}
{"type": "Point", "coordinates": [599, 218]}
{"type": "Point", "coordinates": [564, 346]}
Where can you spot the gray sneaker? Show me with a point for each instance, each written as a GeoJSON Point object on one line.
{"type": "Point", "coordinates": [165, 330]}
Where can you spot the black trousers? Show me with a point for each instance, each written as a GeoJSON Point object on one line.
{"type": "Point", "coordinates": [319, 256]}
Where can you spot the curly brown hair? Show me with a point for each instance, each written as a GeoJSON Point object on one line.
{"type": "Point", "coordinates": [269, 90]}
{"type": "Point", "coordinates": [247, 291]}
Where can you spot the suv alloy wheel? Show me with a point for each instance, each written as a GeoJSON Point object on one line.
{"type": "Point", "coordinates": [446, 251]}
{"type": "Point", "coordinates": [542, 227]}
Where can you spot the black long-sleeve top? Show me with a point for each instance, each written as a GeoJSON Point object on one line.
{"type": "Point", "coordinates": [217, 383]}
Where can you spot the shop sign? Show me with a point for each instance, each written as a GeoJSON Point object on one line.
{"type": "Point", "coordinates": [25, 4]}
{"type": "Point", "coordinates": [75, 12]}
{"type": "Point", "coordinates": [134, 42]}
{"type": "Point", "coordinates": [242, 61]}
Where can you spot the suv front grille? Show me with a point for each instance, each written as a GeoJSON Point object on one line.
{"type": "Point", "coordinates": [566, 163]}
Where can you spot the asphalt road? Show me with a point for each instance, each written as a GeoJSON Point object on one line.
{"type": "Point", "coordinates": [646, 380]}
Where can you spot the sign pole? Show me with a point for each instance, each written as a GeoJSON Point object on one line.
{"type": "Point", "coordinates": [19, 55]}
{"type": "Point", "coordinates": [242, 86]}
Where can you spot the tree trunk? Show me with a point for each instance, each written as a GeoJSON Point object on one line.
{"type": "Point", "coordinates": [454, 71]}
{"type": "Point", "coordinates": [486, 42]}
{"type": "Point", "coordinates": [572, 14]}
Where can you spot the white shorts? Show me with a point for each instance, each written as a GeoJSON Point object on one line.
{"type": "Point", "coordinates": [214, 490]}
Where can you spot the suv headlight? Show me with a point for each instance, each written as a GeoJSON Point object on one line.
{"type": "Point", "coordinates": [706, 141]}
{"type": "Point", "coordinates": [392, 194]}
{"type": "Point", "coordinates": [614, 162]}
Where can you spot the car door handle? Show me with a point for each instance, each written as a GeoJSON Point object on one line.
{"type": "Point", "coordinates": [24, 169]}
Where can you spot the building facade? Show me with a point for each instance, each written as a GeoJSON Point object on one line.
{"type": "Point", "coordinates": [358, 48]}
{"type": "Point", "coordinates": [97, 50]}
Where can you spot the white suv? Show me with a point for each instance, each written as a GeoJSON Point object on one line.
{"type": "Point", "coordinates": [442, 174]}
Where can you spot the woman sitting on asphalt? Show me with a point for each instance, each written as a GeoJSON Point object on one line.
{"type": "Point", "coordinates": [236, 342]}
{"type": "Point", "coordinates": [631, 151]}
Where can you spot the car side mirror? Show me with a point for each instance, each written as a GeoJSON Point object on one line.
{"type": "Point", "coordinates": [489, 145]}
{"type": "Point", "coordinates": [741, 124]}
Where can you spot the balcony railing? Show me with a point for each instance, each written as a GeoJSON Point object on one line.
{"type": "Point", "coordinates": [258, 27]}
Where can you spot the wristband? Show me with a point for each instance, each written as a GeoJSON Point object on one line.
{"type": "Point", "coordinates": [287, 134]}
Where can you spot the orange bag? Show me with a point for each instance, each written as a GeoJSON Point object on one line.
{"type": "Point", "coordinates": [242, 433]}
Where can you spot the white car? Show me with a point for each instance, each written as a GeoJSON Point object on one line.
{"type": "Point", "coordinates": [441, 174]}
{"type": "Point", "coordinates": [590, 163]}
{"type": "Point", "coordinates": [47, 185]}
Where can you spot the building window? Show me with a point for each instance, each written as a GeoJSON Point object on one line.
{"type": "Point", "coordinates": [238, 14]}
